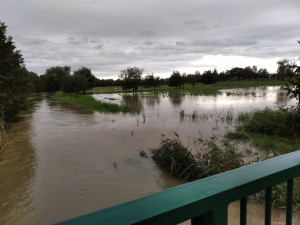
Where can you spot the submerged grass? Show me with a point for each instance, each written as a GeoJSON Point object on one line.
{"type": "Point", "coordinates": [89, 102]}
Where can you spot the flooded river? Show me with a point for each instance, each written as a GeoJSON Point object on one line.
{"type": "Point", "coordinates": [63, 161]}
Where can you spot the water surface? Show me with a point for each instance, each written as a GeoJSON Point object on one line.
{"type": "Point", "coordinates": [64, 161]}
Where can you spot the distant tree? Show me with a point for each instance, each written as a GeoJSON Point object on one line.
{"type": "Point", "coordinates": [235, 73]}
{"type": "Point", "coordinates": [13, 78]}
{"type": "Point", "coordinates": [75, 84]}
{"type": "Point", "coordinates": [209, 77]}
{"type": "Point", "coordinates": [87, 73]}
{"type": "Point", "coordinates": [223, 76]}
{"type": "Point", "coordinates": [284, 69]}
{"type": "Point", "coordinates": [131, 78]}
{"type": "Point", "coordinates": [55, 77]}
{"type": "Point", "coordinates": [193, 78]}
{"type": "Point", "coordinates": [249, 73]}
{"type": "Point", "coordinates": [151, 81]}
{"type": "Point", "coordinates": [263, 74]}
{"type": "Point", "coordinates": [176, 80]}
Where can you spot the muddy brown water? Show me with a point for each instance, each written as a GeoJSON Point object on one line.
{"type": "Point", "coordinates": [63, 161]}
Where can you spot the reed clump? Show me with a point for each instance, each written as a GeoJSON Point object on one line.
{"type": "Point", "coordinates": [211, 158]}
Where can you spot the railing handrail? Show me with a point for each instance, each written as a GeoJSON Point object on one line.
{"type": "Point", "coordinates": [178, 204]}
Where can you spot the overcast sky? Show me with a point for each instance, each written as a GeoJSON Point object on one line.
{"type": "Point", "coordinates": [157, 35]}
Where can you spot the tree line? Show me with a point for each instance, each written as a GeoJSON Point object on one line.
{"type": "Point", "coordinates": [60, 78]}
{"type": "Point", "coordinates": [16, 82]}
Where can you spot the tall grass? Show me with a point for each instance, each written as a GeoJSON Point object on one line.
{"type": "Point", "coordinates": [275, 132]}
{"type": "Point", "coordinates": [89, 102]}
{"type": "Point", "coordinates": [211, 158]}
{"type": "Point", "coordinates": [283, 122]}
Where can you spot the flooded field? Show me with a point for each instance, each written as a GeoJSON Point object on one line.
{"type": "Point", "coordinates": [64, 161]}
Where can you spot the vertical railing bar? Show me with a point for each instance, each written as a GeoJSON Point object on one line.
{"type": "Point", "coordinates": [204, 219]}
{"type": "Point", "coordinates": [268, 206]}
{"type": "Point", "coordinates": [243, 211]}
{"type": "Point", "coordinates": [289, 202]}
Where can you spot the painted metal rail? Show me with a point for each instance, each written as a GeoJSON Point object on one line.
{"type": "Point", "coordinates": [205, 201]}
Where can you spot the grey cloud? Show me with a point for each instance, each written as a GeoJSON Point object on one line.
{"type": "Point", "coordinates": [148, 43]}
{"type": "Point", "coordinates": [146, 33]}
{"type": "Point", "coordinates": [110, 35]}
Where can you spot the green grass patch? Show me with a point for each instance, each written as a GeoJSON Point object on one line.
{"type": "Point", "coordinates": [282, 122]}
{"type": "Point", "coordinates": [234, 135]}
{"type": "Point", "coordinates": [89, 102]}
{"type": "Point", "coordinates": [275, 145]}
{"type": "Point", "coordinates": [276, 131]}
{"type": "Point", "coordinates": [199, 88]}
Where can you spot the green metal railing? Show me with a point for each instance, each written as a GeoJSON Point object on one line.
{"type": "Point", "coordinates": [205, 201]}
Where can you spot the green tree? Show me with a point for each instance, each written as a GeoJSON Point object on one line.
{"type": "Point", "coordinates": [131, 78]}
{"type": "Point", "coordinates": [75, 84]}
{"type": "Point", "coordinates": [285, 69]}
{"type": "Point", "coordinates": [209, 77]}
{"type": "Point", "coordinates": [176, 80]}
{"type": "Point", "coordinates": [293, 86]}
{"type": "Point", "coordinates": [55, 77]}
{"type": "Point", "coordinates": [235, 73]}
{"type": "Point", "coordinates": [34, 82]}
{"type": "Point", "coordinates": [151, 81]}
{"type": "Point", "coordinates": [263, 73]}
{"type": "Point", "coordinates": [87, 73]}
{"type": "Point", "coordinates": [193, 78]}
{"type": "Point", "coordinates": [13, 78]}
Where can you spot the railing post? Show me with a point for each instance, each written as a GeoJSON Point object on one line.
{"type": "Point", "coordinates": [268, 206]}
{"type": "Point", "coordinates": [217, 217]}
{"type": "Point", "coordinates": [289, 202]}
{"type": "Point", "coordinates": [204, 219]}
{"type": "Point", "coordinates": [243, 211]}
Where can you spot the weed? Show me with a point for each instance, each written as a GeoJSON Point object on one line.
{"type": "Point", "coordinates": [194, 115]}
{"type": "Point", "coordinates": [144, 117]}
{"type": "Point", "coordinates": [181, 113]}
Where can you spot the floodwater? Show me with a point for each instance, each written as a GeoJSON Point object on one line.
{"type": "Point", "coordinates": [63, 161]}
